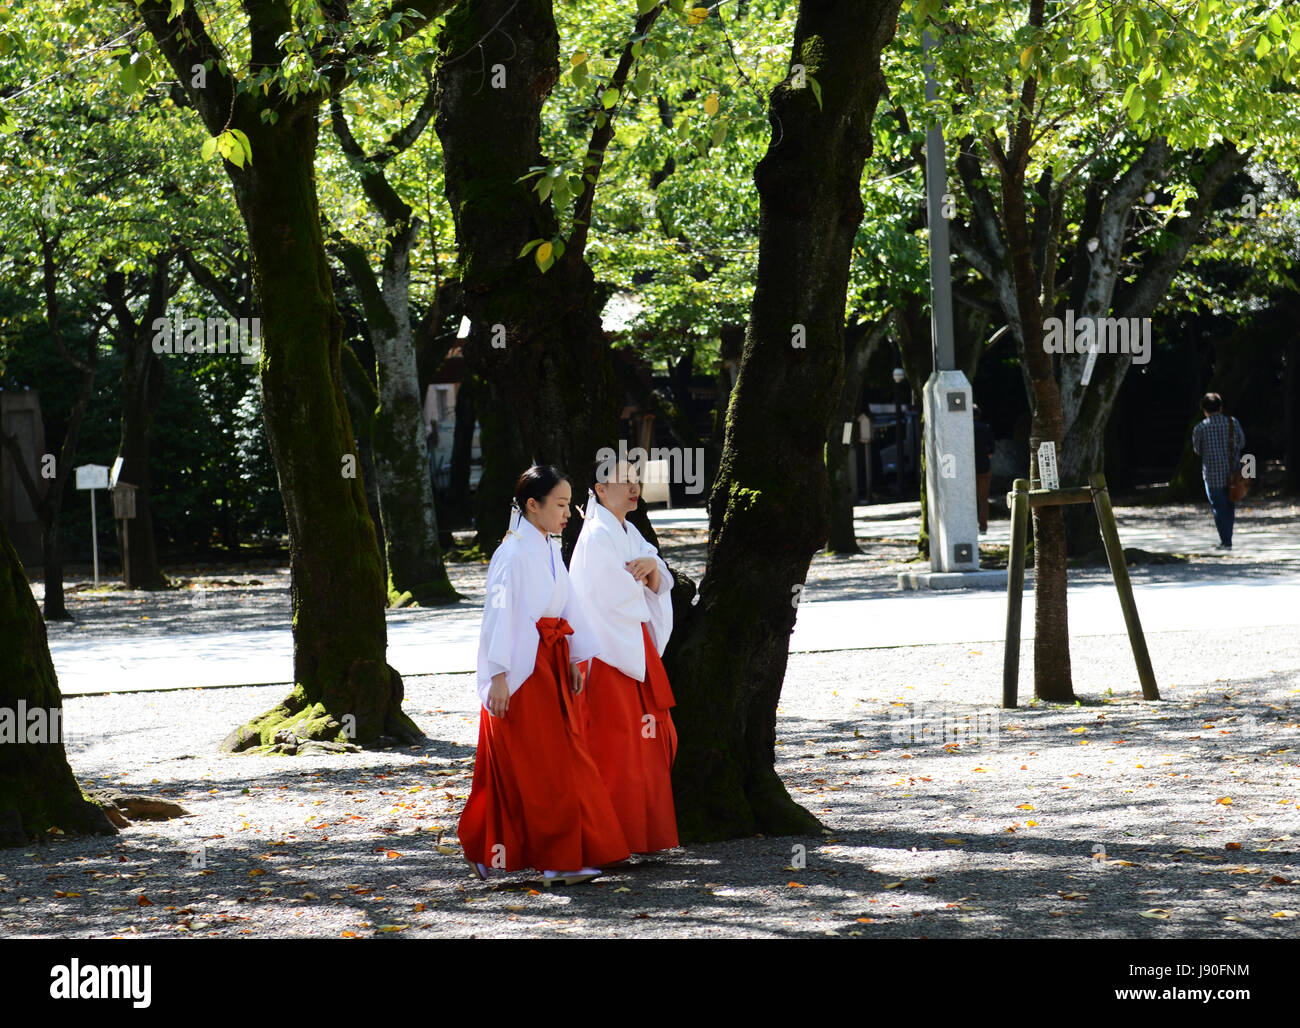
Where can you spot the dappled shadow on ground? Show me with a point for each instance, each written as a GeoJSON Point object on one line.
{"type": "Point", "coordinates": [943, 819]}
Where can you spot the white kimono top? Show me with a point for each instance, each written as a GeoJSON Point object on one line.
{"type": "Point", "coordinates": [616, 603]}
{"type": "Point", "coordinates": [526, 580]}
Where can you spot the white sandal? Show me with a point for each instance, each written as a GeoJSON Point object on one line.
{"type": "Point", "coordinates": [550, 878]}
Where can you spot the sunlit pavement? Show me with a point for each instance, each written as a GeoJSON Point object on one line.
{"type": "Point", "coordinates": [1264, 591]}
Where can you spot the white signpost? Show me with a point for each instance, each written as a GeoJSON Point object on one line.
{"type": "Point", "coordinates": [92, 477]}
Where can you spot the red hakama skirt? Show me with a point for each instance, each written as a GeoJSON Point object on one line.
{"type": "Point", "coordinates": [537, 799]}
{"type": "Point", "coordinates": [633, 740]}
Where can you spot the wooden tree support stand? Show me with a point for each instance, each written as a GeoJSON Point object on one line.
{"type": "Point", "coordinates": [1021, 499]}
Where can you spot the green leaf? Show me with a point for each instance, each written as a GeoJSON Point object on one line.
{"type": "Point", "coordinates": [816, 90]}
{"type": "Point", "coordinates": [609, 98]}
{"type": "Point", "coordinates": [642, 81]}
{"type": "Point", "coordinates": [646, 6]}
{"type": "Point", "coordinates": [528, 247]}
{"type": "Point", "coordinates": [719, 133]}
{"type": "Point", "coordinates": [244, 144]}
{"type": "Point", "coordinates": [1263, 46]}
{"type": "Point", "coordinates": [209, 147]}
{"type": "Point", "coordinates": [579, 74]}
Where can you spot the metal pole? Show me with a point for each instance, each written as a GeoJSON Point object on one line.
{"type": "Point", "coordinates": [898, 439]}
{"type": "Point", "coordinates": [1119, 571]}
{"type": "Point", "coordinates": [1015, 589]}
{"type": "Point", "coordinates": [936, 187]}
{"type": "Point", "coordinates": [94, 535]}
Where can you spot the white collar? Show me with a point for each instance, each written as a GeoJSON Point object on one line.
{"type": "Point", "coordinates": [526, 531]}
{"type": "Point", "coordinates": [604, 515]}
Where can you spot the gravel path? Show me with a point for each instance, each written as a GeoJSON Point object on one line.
{"type": "Point", "coordinates": [944, 816]}
{"type": "Point", "coordinates": [1000, 834]}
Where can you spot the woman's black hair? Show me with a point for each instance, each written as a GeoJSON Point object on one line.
{"type": "Point", "coordinates": [536, 484]}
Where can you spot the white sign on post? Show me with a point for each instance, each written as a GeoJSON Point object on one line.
{"type": "Point", "coordinates": [1047, 475]}
{"type": "Point", "coordinates": [92, 477]}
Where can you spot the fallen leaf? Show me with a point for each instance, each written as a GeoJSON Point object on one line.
{"type": "Point", "coordinates": [795, 885]}
{"type": "Point", "coordinates": [892, 885]}
{"type": "Point", "coordinates": [1232, 846]}
{"type": "Point", "coordinates": [392, 854]}
{"type": "Point", "coordinates": [1225, 800]}
{"type": "Point", "coordinates": [1024, 806]}
{"type": "Point", "coordinates": [1157, 912]}
{"type": "Point", "coordinates": [144, 901]}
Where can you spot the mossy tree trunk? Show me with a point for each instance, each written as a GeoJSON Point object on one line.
{"type": "Point", "coordinates": [142, 382]}
{"type": "Point", "coordinates": [545, 387]}
{"type": "Point", "coordinates": [343, 687]}
{"type": "Point", "coordinates": [768, 508]}
{"type": "Point", "coordinates": [860, 342]}
{"type": "Point", "coordinates": [38, 791]}
{"type": "Point", "coordinates": [416, 572]}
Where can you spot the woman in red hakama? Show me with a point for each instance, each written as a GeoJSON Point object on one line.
{"type": "Point", "coordinates": [625, 588]}
{"type": "Point", "coordinates": [537, 798]}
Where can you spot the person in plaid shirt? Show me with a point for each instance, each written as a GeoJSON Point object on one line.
{"type": "Point", "coordinates": [1211, 440]}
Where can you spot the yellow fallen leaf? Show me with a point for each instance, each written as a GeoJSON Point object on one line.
{"type": "Point", "coordinates": [1079, 731]}
{"type": "Point", "coordinates": [393, 927]}
{"type": "Point", "coordinates": [347, 935]}
{"type": "Point", "coordinates": [1157, 913]}
{"type": "Point", "coordinates": [1024, 806]}
{"type": "Point", "coordinates": [255, 872]}
{"type": "Point", "coordinates": [795, 885]}
{"type": "Point", "coordinates": [1225, 800]}
{"type": "Point", "coordinates": [893, 885]}
{"type": "Point", "coordinates": [955, 842]}
{"type": "Point", "coordinates": [1285, 913]}
{"type": "Point", "coordinates": [446, 851]}
{"type": "Point", "coordinates": [622, 888]}
{"type": "Point", "coordinates": [1032, 824]}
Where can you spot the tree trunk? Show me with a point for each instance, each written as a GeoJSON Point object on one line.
{"type": "Point", "coordinates": [340, 636]}
{"type": "Point", "coordinates": [860, 342]}
{"type": "Point", "coordinates": [343, 687]}
{"type": "Point", "coordinates": [38, 791]}
{"type": "Point", "coordinates": [545, 387]}
{"type": "Point", "coordinates": [416, 572]}
{"type": "Point", "coordinates": [462, 453]}
{"type": "Point", "coordinates": [768, 508]}
{"type": "Point", "coordinates": [142, 381]}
